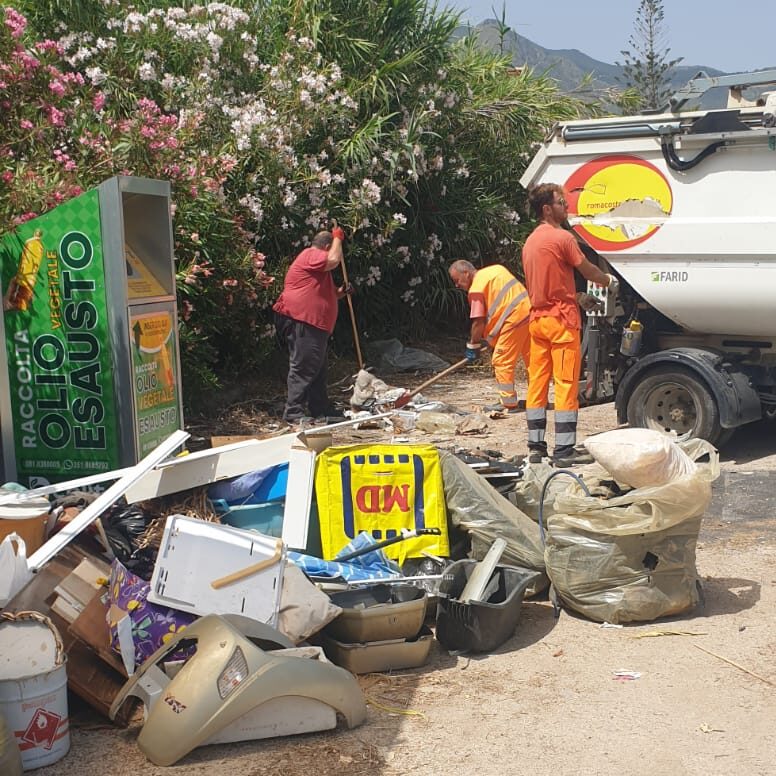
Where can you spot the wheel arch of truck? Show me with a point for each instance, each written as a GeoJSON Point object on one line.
{"type": "Point", "coordinates": [736, 398]}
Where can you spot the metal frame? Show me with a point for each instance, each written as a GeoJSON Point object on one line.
{"type": "Point", "coordinates": [113, 229]}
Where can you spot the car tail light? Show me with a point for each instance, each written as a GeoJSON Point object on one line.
{"type": "Point", "coordinates": [234, 673]}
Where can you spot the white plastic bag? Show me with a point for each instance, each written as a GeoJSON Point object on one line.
{"type": "Point", "coordinates": [640, 457]}
{"type": "Point", "coordinates": [14, 572]}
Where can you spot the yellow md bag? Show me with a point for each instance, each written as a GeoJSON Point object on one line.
{"type": "Point", "coordinates": [381, 489]}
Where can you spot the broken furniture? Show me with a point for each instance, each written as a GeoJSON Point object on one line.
{"type": "Point", "coordinates": [232, 690]}
{"type": "Point", "coordinates": [480, 625]}
{"type": "Point", "coordinates": [94, 673]}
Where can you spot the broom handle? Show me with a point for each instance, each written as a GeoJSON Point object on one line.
{"type": "Point", "coordinates": [352, 316]}
{"type": "Point", "coordinates": [432, 380]}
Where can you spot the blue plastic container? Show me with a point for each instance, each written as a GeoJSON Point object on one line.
{"type": "Point", "coordinates": [265, 518]}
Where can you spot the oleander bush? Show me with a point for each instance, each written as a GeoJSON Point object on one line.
{"type": "Point", "coordinates": [272, 118]}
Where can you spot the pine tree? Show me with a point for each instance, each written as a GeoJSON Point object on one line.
{"type": "Point", "coordinates": [646, 67]}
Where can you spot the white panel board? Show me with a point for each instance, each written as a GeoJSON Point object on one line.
{"type": "Point", "coordinates": [195, 553]}
{"type": "Point", "coordinates": [299, 496]}
{"type": "Point", "coordinates": [208, 466]}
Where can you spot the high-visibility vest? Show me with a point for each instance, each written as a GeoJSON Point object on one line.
{"type": "Point", "coordinates": [506, 300]}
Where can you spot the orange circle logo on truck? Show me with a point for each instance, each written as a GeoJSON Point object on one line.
{"type": "Point", "coordinates": [618, 201]}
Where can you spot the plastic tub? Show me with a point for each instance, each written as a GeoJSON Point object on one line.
{"type": "Point", "coordinates": [392, 655]}
{"type": "Point", "coordinates": [480, 626]}
{"type": "Point", "coordinates": [264, 518]}
{"type": "Point", "coordinates": [378, 613]}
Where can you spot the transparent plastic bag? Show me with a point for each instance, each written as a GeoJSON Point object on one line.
{"type": "Point", "coordinates": [631, 558]}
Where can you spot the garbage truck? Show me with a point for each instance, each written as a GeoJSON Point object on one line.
{"type": "Point", "coordinates": [680, 205]}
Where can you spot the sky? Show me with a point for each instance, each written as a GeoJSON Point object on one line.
{"type": "Point", "coordinates": [738, 39]}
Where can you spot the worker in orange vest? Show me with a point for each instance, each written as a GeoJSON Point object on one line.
{"type": "Point", "coordinates": [499, 311]}
{"type": "Point", "coordinates": [550, 256]}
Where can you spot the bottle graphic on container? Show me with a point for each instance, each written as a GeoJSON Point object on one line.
{"type": "Point", "coordinates": [20, 289]}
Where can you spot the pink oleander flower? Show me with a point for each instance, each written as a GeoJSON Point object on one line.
{"type": "Point", "coordinates": [50, 45]}
{"type": "Point", "coordinates": [7, 176]}
{"type": "Point", "coordinates": [56, 116]}
{"type": "Point", "coordinates": [26, 124]}
{"type": "Point", "coordinates": [98, 101]}
{"type": "Point", "coordinates": [230, 283]}
{"type": "Point", "coordinates": [27, 61]}
{"type": "Point", "coordinates": [57, 87]}
{"type": "Point", "coordinates": [15, 22]}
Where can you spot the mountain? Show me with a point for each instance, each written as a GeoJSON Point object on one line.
{"type": "Point", "coordinates": [570, 66]}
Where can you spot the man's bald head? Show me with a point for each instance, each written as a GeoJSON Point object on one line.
{"type": "Point", "coordinates": [323, 240]}
{"type": "Point", "coordinates": [462, 273]}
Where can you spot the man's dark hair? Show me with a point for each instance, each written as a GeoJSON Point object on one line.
{"type": "Point", "coordinates": [323, 240]}
{"type": "Point", "coordinates": [541, 195]}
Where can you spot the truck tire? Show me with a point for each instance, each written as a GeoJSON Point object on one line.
{"type": "Point", "coordinates": [672, 399]}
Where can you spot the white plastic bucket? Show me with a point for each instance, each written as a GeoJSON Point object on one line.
{"type": "Point", "coordinates": [33, 687]}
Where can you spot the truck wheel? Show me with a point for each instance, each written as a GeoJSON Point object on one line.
{"type": "Point", "coordinates": [671, 399]}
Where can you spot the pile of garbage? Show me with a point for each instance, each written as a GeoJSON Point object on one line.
{"type": "Point", "coordinates": [236, 592]}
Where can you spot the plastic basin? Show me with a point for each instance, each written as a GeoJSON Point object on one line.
{"type": "Point", "coordinates": [480, 626]}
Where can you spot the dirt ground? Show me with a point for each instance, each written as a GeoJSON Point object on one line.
{"type": "Point", "coordinates": [547, 701]}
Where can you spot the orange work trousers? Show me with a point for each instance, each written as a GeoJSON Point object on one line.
{"type": "Point", "coordinates": [555, 353]}
{"type": "Point", "coordinates": [510, 346]}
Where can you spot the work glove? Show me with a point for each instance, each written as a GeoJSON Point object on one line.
{"type": "Point", "coordinates": [473, 353]}
{"type": "Point", "coordinates": [339, 233]}
{"type": "Point", "coordinates": [614, 285]}
{"type": "Point", "coordinates": [346, 290]}
{"type": "Point", "coordinates": [588, 302]}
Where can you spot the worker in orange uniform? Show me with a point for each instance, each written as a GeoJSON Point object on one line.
{"type": "Point", "coordinates": [499, 312]}
{"type": "Point", "coordinates": [550, 256]}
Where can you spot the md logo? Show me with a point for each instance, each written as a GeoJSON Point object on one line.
{"type": "Point", "coordinates": [670, 277]}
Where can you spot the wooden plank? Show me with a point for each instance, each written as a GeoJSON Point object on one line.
{"type": "Point", "coordinates": [91, 627]}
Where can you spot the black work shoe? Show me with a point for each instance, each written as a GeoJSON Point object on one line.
{"type": "Point", "coordinates": [331, 414]}
{"type": "Point", "coordinates": [331, 419]}
{"type": "Point", "coordinates": [574, 458]}
{"type": "Point", "coordinates": [534, 456]}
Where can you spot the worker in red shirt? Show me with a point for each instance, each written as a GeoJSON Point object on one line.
{"type": "Point", "coordinates": [305, 314]}
{"type": "Point", "coordinates": [499, 311]}
{"type": "Point", "coordinates": [550, 256]}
